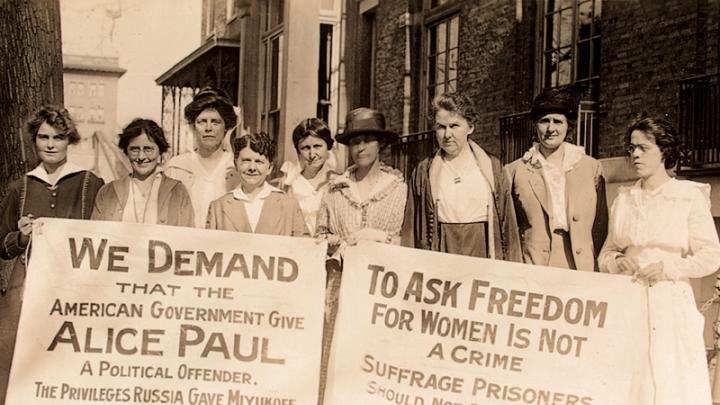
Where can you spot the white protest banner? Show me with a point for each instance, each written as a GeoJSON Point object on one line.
{"type": "Point", "coordinates": [424, 328]}
{"type": "Point", "coordinates": [126, 313]}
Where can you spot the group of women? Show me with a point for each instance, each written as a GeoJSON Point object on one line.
{"type": "Point", "coordinates": [547, 208]}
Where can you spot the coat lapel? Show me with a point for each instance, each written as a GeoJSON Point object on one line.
{"type": "Point", "coordinates": [537, 184]}
{"type": "Point", "coordinates": [122, 190]}
{"type": "Point", "coordinates": [234, 213]}
{"type": "Point", "coordinates": [270, 215]}
{"type": "Point", "coordinates": [166, 185]}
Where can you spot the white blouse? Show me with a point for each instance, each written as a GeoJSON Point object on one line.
{"type": "Point", "coordinates": [204, 187]}
{"type": "Point", "coordinates": [671, 224]}
{"type": "Point", "coordinates": [463, 194]}
{"type": "Point", "coordinates": [305, 192]}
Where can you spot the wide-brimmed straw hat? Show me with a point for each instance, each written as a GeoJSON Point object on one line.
{"type": "Point", "coordinates": [361, 121]}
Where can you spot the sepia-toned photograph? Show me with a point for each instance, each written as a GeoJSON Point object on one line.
{"type": "Point", "coordinates": [372, 202]}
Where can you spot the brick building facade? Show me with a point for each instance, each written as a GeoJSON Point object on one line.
{"type": "Point", "coordinates": [645, 49]}
{"type": "Point", "coordinates": [625, 57]}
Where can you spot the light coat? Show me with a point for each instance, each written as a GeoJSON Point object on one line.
{"type": "Point", "coordinates": [280, 215]}
{"type": "Point", "coordinates": [174, 206]}
{"type": "Point", "coordinates": [586, 204]}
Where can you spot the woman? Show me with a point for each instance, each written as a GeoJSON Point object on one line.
{"type": "Point", "coordinates": [662, 234]}
{"type": "Point", "coordinates": [558, 191]}
{"type": "Point", "coordinates": [147, 196]}
{"type": "Point", "coordinates": [459, 201]}
{"type": "Point", "coordinates": [308, 181]}
{"type": "Point", "coordinates": [255, 206]}
{"type": "Point", "coordinates": [365, 203]}
{"type": "Point", "coordinates": [55, 188]}
{"type": "Point", "coordinates": [368, 200]}
{"type": "Point", "coordinates": [207, 172]}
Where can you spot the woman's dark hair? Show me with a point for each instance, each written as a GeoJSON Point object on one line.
{"type": "Point", "coordinates": [457, 103]}
{"type": "Point", "coordinates": [664, 134]}
{"type": "Point", "coordinates": [558, 100]}
{"type": "Point", "coordinates": [312, 127]}
{"type": "Point", "coordinates": [211, 98]}
{"type": "Point", "coordinates": [137, 127]}
{"type": "Point", "coordinates": [55, 116]}
{"type": "Point", "coordinates": [261, 143]}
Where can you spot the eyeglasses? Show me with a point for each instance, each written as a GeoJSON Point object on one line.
{"type": "Point", "coordinates": [134, 151]}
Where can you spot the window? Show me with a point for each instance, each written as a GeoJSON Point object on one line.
{"type": "Point", "coordinates": [91, 116]}
{"type": "Point", "coordinates": [571, 44]}
{"type": "Point", "coordinates": [72, 88]}
{"type": "Point", "coordinates": [80, 89]}
{"type": "Point", "coordinates": [93, 90]}
{"type": "Point", "coordinates": [101, 90]}
{"type": "Point", "coordinates": [99, 114]}
{"type": "Point", "coordinates": [325, 71]}
{"type": "Point", "coordinates": [273, 13]}
{"type": "Point", "coordinates": [273, 87]}
{"type": "Point", "coordinates": [442, 57]}
{"type": "Point", "coordinates": [273, 60]}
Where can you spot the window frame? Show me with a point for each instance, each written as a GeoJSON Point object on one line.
{"type": "Point", "coordinates": [271, 115]}
{"type": "Point", "coordinates": [435, 16]}
{"type": "Point", "coordinates": [543, 36]}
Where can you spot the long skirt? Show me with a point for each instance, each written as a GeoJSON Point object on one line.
{"type": "Point", "coordinates": [673, 369]}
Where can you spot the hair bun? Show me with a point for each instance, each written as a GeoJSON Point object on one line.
{"type": "Point", "coordinates": [210, 91]}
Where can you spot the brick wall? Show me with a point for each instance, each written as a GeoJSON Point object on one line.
{"type": "Point", "coordinates": [390, 61]}
{"type": "Point", "coordinates": [646, 48]}
{"type": "Point", "coordinates": [495, 63]}
{"type": "Point", "coordinates": [495, 66]}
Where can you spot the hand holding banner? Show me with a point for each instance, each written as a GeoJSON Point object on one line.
{"type": "Point", "coordinates": [437, 329]}
{"type": "Point", "coordinates": [155, 314]}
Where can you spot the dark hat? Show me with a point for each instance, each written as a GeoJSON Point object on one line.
{"type": "Point", "coordinates": [365, 121]}
{"type": "Point", "coordinates": [560, 100]}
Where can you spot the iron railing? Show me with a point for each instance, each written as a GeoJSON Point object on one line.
{"type": "Point", "coordinates": [586, 127]}
{"type": "Point", "coordinates": [517, 132]}
{"type": "Point", "coordinates": [699, 122]}
{"type": "Point", "coordinates": [410, 149]}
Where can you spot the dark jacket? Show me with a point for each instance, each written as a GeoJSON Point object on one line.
{"type": "Point", "coordinates": [421, 229]}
